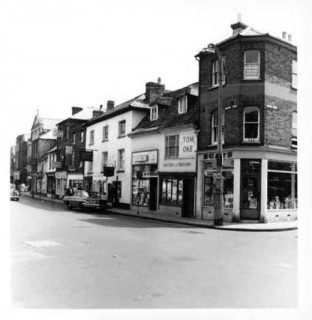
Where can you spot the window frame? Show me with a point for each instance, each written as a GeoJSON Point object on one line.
{"type": "Point", "coordinates": [258, 64]}
{"type": "Point", "coordinates": [122, 124]}
{"type": "Point", "coordinates": [251, 140]}
{"type": "Point", "coordinates": [174, 147]}
{"type": "Point", "coordinates": [214, 127]}
{"type": "Point", "coordinates": [91, 138]}
{"type": "Point", "coordinates": [154, 113]}
{"type": "Point", "coordinates": [182, 104]}
{"type": "Point", "coordinates": [215, 72]}
{"type": "Point", "coordinates": [294, 74]}
{"type": "Point", "coordinates": [121, 160]}
{"type": "Point", "coordinates": [105, 133]}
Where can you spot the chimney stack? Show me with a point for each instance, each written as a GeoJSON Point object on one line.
{"type": "Point", "coordinates": [154, 90]}
{"type": "Point", "coordinates": [76, 110]}
{"type": "Point", "coordinates": [96, 113]}
{"type": "Point", "coordinates": [110, 105]}
{"type": "Point", "coordinates": [238, 26]}
{"type": "Point", "coordinates": [284, 35]}
{"type": "Point", "coordinates": [289, 37]}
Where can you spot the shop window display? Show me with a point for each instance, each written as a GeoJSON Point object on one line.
{"type": "Point", "coordinates": [282, 185]}
{"type": "Point", "coordinates": [210, 184]}
{"type": "Point", "coordinates": [171, 192]}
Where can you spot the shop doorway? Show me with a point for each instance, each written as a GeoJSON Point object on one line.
{"type": "Point", "coordinates": [250, 189]}
{"type": "Point", "coordinates": [153, 194]}
{"type": "Point", "coordinates": [188, 198]}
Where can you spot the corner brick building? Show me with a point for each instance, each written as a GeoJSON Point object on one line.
{"type": "Point", "coordinates": [259, 127]}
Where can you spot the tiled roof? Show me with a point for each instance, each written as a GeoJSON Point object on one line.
{"type": "Point", "coordinates": [168, 115]}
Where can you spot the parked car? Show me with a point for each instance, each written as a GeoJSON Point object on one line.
{"type": "Point", "coordinates": [14, 193]}
{"type": "Point", "coordinates": [83, 199]}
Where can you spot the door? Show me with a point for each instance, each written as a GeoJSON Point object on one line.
{"type": "Point", "coordinates": [250, 189]}
{"type": "Point", "coordinates": [188, 197]}
{"type": "Point", "coordinates": [153, 194]}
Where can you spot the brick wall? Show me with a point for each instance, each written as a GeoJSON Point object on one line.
{"type": "Point", "coordinates": [275, 68]}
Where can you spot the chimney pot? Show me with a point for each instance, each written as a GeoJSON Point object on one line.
{"type": "Point", "coordinates": [110, 105]}
{"type": "Point", "coordinates": [289, 37]}
{"type": "Point", "coordinates": [284, 34]}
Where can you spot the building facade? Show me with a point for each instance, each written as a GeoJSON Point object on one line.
{"type": "Point", "coordinates": [258, 128]}
{"type": "Point", "coordinates": [163, 157]}
{"type": "Point", "coordinates": [107, 137]}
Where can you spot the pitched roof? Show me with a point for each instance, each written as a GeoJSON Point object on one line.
{"type": "Point", "coordinates": [50, 135]}
{"type": "Point", "coordinates": [169, 118]}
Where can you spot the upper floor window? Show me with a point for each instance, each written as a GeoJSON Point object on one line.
{"type": "Point", "coordinates": [214, 127]}
{"type": "Point", "coordinates": [182, 105]}
{"type": "Point", "coordinates": [122, 128]}
{"type": "Point", "coordinates": [90, 166]}
{"type": "Point", "coordinates": [121, 159]}
{"type": "Point", "coordinates": [252, 65]}
{"type": "Point", "coordinates": [251, 126]}
{"type": "Point", "coordinates": [74, 138]}
{"type": "Point", "coordinates": [104, 159]}
{"type": "Point", "coordinates": [216, 72]}
{"type": "Point", "coordinates": [105, 133]}
{"type": "Point", "coordinates": [154, 113]}
{"type": "Point", "coordinates": [294, 131]}
{"type": "Point", "coordinates": [294, 74]}
{"type": "Point", "coordinates": [81, 136]}
{"type": "Point", "coordinates": [172, 146]}
{"type": "Point", "coordinates": [91, 137]}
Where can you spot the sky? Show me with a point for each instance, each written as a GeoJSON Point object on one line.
{"type": "Point", "coordinates": [56, 54]}
{"type": "Point", "coordinates": [64, 53]}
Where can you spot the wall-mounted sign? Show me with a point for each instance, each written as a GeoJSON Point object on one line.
{"type": "Point", "coordinates": [86, 155]}
{"type": "Point", "coordinates": [72, 167]}
{"type": "Point", "coordinates": [178, 165]}
{"type": "Point", "coordinates": [56, 164]}
{"type": "Point", "coordinates": [109, 171]}
{"type": "Point", "coordinates": [69, 150]}
{"type": "Point", "coordinates": [145, 157]}
{"type": "Point", "coordinates": [188, 144]}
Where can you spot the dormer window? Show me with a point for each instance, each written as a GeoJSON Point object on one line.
{"type": "Point", "coordinates": [154, 113]}
{"type": "Point", "coordinates": [182, 105]}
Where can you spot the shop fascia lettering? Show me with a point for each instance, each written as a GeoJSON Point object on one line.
{"type": "Point", "coordinates": [212, 156]}
{"type": "Point", "coordinates": [147, 157]}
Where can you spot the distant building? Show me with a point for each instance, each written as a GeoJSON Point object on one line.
{"type": "Point", "coordinates": [259, 127]}
{"type": "Point", "coordinates": [21, 159]}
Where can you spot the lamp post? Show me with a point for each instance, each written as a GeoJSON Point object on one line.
{"type": "Point", "coordinates": [218, 198]}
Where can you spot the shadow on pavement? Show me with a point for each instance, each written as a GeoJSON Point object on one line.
{"type": "Point", "coordinates": [119, 221]}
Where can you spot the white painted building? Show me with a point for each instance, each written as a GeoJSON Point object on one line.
{"type": "Point", "coordinates": [107, 138]}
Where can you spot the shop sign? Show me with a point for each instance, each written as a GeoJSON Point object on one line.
{"type": "Point", "coordinates": [225, 155]}
{"type": "Point", "coordinates": [69, 150]}
{"type": "Point", "coordinates": [178, 165]}
{"type": "Point", "coordinates": [61, 175]}
{"type": "Point", "coordinates": [72, 167]}
{"type": "Point", "coordinates": [146, 157]}
{"type": "Point", "coordinates": [188, 144]}
{"type": "Point", "coordinates": [56, 164]}
{"type": "Point", "coordinates": [252, 71]}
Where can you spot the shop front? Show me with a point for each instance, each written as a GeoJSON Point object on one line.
{"type": "Point", "coordinates": [259, 186]}
{"type": "Point", "coordinates": [177, 186]}
{"type": "Point", "coordinates": [51, 184]}
{"type": "Point", "coordinates": [145, 180]}
{"type": "Point", "coordinates": [75, 180]}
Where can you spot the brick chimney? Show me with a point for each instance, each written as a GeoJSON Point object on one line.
{"type": "Point", "coordinates": [76, 110]}
{"type": "Point", "coordinates": [96, 113]}
{"type": "Point", "coordinates": [110, 105]}
{"type": "Point", "coordinates": [238, 26]}
{"type": "Point", "coordinates": [154, 90]}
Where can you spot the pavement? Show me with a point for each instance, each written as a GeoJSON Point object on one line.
{"type": "Point", "coordinates": [169, 218]}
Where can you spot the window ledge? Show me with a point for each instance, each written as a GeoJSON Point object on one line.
{"type": "Point", "coordinates": [121, 136]}
{"type": "Point", "coordinates": [105, 140]}
{"type": "Point", "coordinates": [249, 142]}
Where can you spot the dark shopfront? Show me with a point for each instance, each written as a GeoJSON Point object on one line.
{"type": "Point", "coordinates": [176, 193]}
{"type": "Point", "coordinates": [145, 179]}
